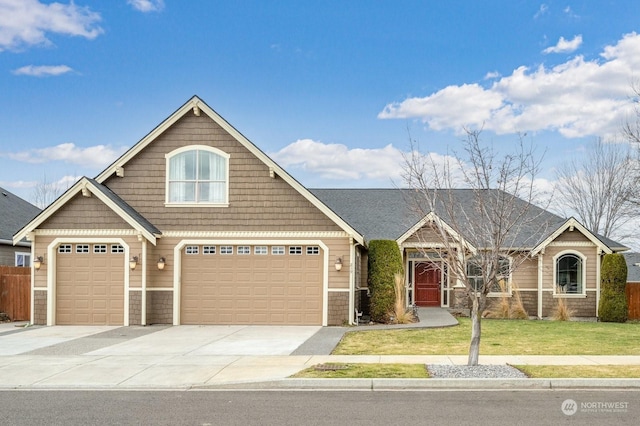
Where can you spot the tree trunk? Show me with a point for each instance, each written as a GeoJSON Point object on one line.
{"type": "Point", "coordinates": [474, 347]}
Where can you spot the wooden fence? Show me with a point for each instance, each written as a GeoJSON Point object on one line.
{"type": "Point", "coordinates": [633, 297]}
{"type": "Point", "coordinates": [15, 292]}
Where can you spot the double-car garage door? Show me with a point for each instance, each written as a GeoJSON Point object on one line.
{"type": "Point", "coordinates": [220, 284]}
{"type": "Point", "coordinates": [90, 284]}
{"type": "Point", "coordinates": [251, 284]}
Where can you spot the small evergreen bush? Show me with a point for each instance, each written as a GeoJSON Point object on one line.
{"type": "Point", "coordinates": [613, 279]}
{"type": "Point", "coordinates": [385, 261]}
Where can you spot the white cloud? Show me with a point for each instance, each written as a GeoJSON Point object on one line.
{"type": "Point", "coordinates": [570, 13]}
{"type": "Point", "coordinates": [42, 70]}
{"type": "Point", "coordinates": [147, 5]}
{"type": "Point", "coordinates": [541, 11]}
{"type": "Point", "coordinates": [98, 156]}
{"type": "Point", "coordinates": [352, 167]}
{"type": "Point", "coordinates": [565, 46]}
{"type": "Point", "coordinates": [336, 161]}
{"type": "Point", "coordinates": [27, 22]}
{"type": "Point", "coordinates": [577, 98]}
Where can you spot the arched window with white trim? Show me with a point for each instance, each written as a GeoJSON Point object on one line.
{"type": "Point", "coordinates": [569, 274]}
{"type": "Point", "coordinates": [197, 175]}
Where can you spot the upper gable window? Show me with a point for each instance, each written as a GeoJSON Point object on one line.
{"type": "Point", "coordinates": [198, 175]}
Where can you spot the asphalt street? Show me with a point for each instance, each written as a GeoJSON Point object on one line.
{"type": "Point", "coordinates": [320, 408]}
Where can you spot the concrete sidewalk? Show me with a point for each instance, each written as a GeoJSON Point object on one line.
{"type": "Point", "coordinates": [183, 371]}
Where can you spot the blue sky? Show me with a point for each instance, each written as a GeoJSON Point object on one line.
{"type": "Point", "coordinates": [330, 89]}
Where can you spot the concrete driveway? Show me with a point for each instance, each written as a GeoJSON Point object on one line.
{"type": "Point", "coordinates": [147, 357]}
{"type": "Point", "coordinates": [154, 340]}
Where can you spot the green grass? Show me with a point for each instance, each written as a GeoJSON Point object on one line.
{"type": "Point", "coordinates": [367, 371]}
{"type": "Point", "coordinates": [419, 371]}
{"type": "Point", "coordinates": [500, 337]}
{"type": "Point", "coordinates": [581, 371]}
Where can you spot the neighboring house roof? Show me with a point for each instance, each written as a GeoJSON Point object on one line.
{"type": "Point", "coordinates": [89, 186]}
{"type": "Point", "coordinates": [14, 213]}
{"type": "Point", "coordinates": [388, 214]}
{"type": "Point", "coordinates": [633, 267]}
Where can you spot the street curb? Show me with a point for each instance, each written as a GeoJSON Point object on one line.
{"type": "Point", "coordinates": [430, 384]}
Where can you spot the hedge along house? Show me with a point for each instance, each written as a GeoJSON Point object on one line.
{"type": "Point", "coordinates": [193, 225]}
{"type": "Point", "coordinates": [562, 257]}
{"type": "Point", "coordinates": [196, 225]}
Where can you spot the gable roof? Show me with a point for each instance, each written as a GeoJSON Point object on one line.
{"type": "Point", "coordinates": [14, 213]}
{"type": "Point", "coordinates": [387, 214]}
{"type": "Point", "coordinates": [198, 106]}
{"type": "Point", "coordinates": [85, 186]}
{"type": "Point", "coordinates": [606, 244]}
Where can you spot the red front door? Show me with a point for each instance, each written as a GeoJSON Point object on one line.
{"type": "Point", "coordinates": [427, 280]}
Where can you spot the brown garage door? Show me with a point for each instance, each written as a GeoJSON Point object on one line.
{"type": "Point", "coordinates": [274, 285]}
{"type": "Point", "coordinates": [90, 284]}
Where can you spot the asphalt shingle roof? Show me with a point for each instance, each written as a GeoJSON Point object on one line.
{"type": "Point", "coordinates": [133, 213]}
{"type": "Point", "coordinates": [388, 213]}
{"type": "Point", "coordinates": [14, 214]}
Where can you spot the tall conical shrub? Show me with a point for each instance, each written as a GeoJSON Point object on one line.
{"type": "Point", "coordinates": [613, 279]}
{"type": "Point", "coordinates": [385, 261]}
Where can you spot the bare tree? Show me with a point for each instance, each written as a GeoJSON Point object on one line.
{"type": "Point", "coordinates": [601, 188]}
{"type": "Point", "coordinates": [45, 192]}
{"type": "Point", "coordinates": [481, 230]}
{"type": "Point", "coordinates": [631, 127]}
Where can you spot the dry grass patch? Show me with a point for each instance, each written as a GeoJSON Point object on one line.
{"type": "Point", "coordinates": [499, 337]}
{"type": "Point", "coordinates": [581, 371]}
{"type": "Point", "coordinates": [365, 371]}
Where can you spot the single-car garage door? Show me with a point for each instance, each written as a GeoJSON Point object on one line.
{"type": "Point", "coordinates": [90, 284]}
{"type": "Point", "coordinates": [251, 284]}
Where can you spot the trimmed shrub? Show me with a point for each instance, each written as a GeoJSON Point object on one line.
{"type": "Point", "coordinates": [385, 261]}
{"type": "Point", "coordinates": [613, 279]}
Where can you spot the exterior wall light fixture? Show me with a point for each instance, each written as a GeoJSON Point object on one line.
{"type": "Point", "coordinates": [161, 263]}
{"type": "Point", "coordinates": [338, 264]}
{"type": "Point", "coordinates": [38, 262]}
{"type": "Point", "coordinates": [133, 262]}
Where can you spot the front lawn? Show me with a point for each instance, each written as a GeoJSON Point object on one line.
{"type": "Point", "coordinates": [581, 371]}
{"type": "Point", "coordinates": [364, 371]}
{"type": "Point", "coordinates": [499, 337]}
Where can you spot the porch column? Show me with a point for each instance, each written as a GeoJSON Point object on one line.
{"type": "Point", "coordinates": [598, 264]}
{"type": "Point", "coordinates": [540, 283]}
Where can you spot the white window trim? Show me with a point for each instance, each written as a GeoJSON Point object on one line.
{"type": "Point", "coordinates": [582, 257]}
{"type": "Point", "coordinates": [24, 254]}
{"type": "Point", "coordinates": [509, 291]}
{"type": "Point", "coordinates": [211, 149]}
